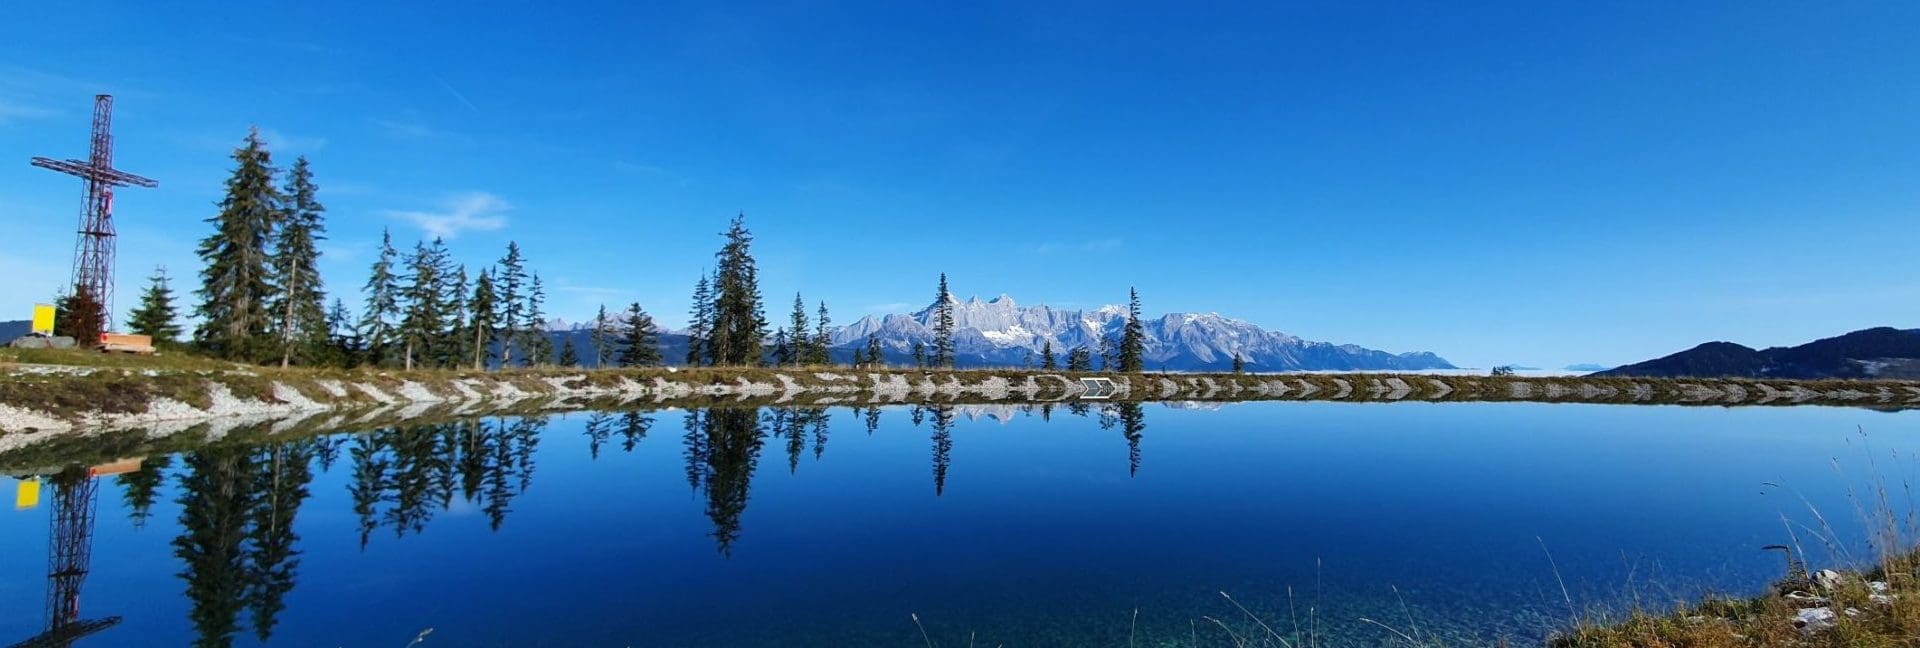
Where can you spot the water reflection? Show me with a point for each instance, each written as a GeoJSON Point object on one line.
{"type": "Point", "coordinates": [237, 545]}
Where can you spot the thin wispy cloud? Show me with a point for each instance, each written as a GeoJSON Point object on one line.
{"type": "Point", "coordinates": [474, 211]}
{"type": "Point", "coordinates": [13, 113]}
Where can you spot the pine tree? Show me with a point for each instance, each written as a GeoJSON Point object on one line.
{"type": "Point", "coordinates": [80, 316]}
{"type": "Point", "coordinates": [641, 344]}
{"type": "Point", "coordinates": [739, 325]}
{"type": "Point", "coordinates": [457, 341]}
{"type": "Point", "coordinates": [819, 349]}
{"type": "Point", "coordinates": [875, 355]}
{"type": "Point", "coordinates": [1133, 339]}
{"type": "Point", "coordinates": [943, 326]}
{"type": "Point", "coordinates": [300, 308]}
{"type": "Point", "coordinates": [234, 279]}
{"type": "Point", "coordinates": [568, 356]}
{"type": "Point", "coordinates": [700, 323]}
{"type": "Point", "coordinates": [510, 280]}
{"type": "Point", "coordinates": [919, 355]}
{"type": "Point", "coordinates": [422, 329]}
{"type": "Point", "coordinates": [798, 351]}
{"type": "Point", "coordinates": [1239, 363]}
{"type": "Point", "coordinates": [602, 337]}
{"type": "Point", "coordinates": [1046, 356]}
{"type": "Point", "coordinates": [539, 346]}
{"type": "Point", "coordinates": [483, 317]}
{"type": "Point", "coordinates": [782, 353]}
{"type": "Point", "coordinates": [340, 335]}
{"type": "Point", "coordinates": [859, 357]}
{"type": "Point", "coordinates": [377, 322]}
{"type": "Point", "coordinates": [1079, 359]}
{"type": "Point", "coordinates": [155, 316]}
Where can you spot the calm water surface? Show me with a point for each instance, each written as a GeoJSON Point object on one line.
{"type": "Point", "coordinates": [831, 527]}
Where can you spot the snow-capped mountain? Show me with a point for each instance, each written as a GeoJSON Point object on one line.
{"type": "Point", "coordinates": [999, 332]}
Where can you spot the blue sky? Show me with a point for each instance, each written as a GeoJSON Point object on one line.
{"type": "Point", "coordinates": [1536, 183]}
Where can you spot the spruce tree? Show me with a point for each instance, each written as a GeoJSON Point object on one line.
{"type": "Point", "coordinates": [798, 351]}
{"type": "Point", "coordinates": [1079, 359]}
{"type": "Point", "coordinates": [1046, 356]}
{"type": "Point", "coordinates": [483, 317]}
{"type": "Point", "coordinates": [234, 277]}
{"type": "Point", "coordinates": [300, 302]}
{"type": "Point", "coordinates": [641, 344]}
{"type": "Point", "coordinates": [340, 335]}
{"type": "Point", "coordinates": [859, 357]}
{"type": "Point", "coordinates": [568, 356]}
{"type": "Point", "coordinates": [423, 328]}
{"type": "Point", "coordinates": [602, 337]}
{"type": "Point", "coordinates": [919, 355]}
{"type": "Point", "coordinates": [457, 341]}
{"type": "Point", "coordinates": [820, 348]}
{"type": "Point", "coordinates": [155, 316]}
{"type": "Point", "coordinates": [875, 355]}
{"type": "Point", "coordinates": [539, 346]}
{"type": "Point", "coordinates": [1133, 339]}
{"type": "Point", "coordinates": [700, 323]}
{"type": "Point", "coordinates": [80, 316]}
{"type": "Point", "coordinates": [782, 353]}
{"type": "Point", "coordinates": [739, 324]}
{"type": "Point", "coordinates": [1239, 363]}
{"type": "Point", "coordinates": [377, 322]}
{"type": "Point", "coordinates": [943, 326]}
{"type": "Point", "coordinates": [510, 280]}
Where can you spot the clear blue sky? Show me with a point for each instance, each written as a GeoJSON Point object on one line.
{"type": "Point", "coordinates": [1536, 183]}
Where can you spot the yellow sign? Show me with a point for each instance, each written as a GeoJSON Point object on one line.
{"type": "Point", "coordinates": [43, 319]}
{"type": "Point", "coordinates": [27, 495]}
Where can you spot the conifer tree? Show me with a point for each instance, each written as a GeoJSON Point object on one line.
{"type": "Point", "coordinates": [739, 324]}
{"type": "Point", "coordinates": [1133, 338]}
{"type": "Point", "coordinates": [943, 326]}
{"type": "Point", "coordinates": [378, 321]}
{"type": "Point", "coordinates": [510, 280]}
{"type": "Point", "coordinates": [602, 337]}
{"type": "Point", "coordinates": [340, 335]}
{"type": "Point", "coordinates": [919, 355]}
{"type": "Point", "coordinates": [1079, 359]}
{"type": "Point", "coordinates": [782, 353]}
{"type": "Point", "coordinates": [875, 355]}
{"type": "Point", "coordinates": [568, 356]}
{"type": "Point", "coordinates": [819, 348]}
{"type": "Point", "coordinates": [423, 327]}
{"type": "Point", "coordinates": [798, 351]}
{"type": "Point", "coordinates": [300, 302]}
{"type": "Point", "coordinates": [1046, 356]}
{"type": "Point", "coordinates": [859, 357]}
{"type": "Point", "coordinates": [483, 317]}
{"type": "Point", "coordinates": [155, 316]}
{"type": "Point", "coordinates": [80, 316]}
{"type": "Point", "coordinates": [456, 350]}
{"type": "Point", "coordinates": [1239, 363]}
{"type": "Point", "coordinates": [538, 345]}
{"type": "Point", "coordinates": [700, 323]}
{"type": "Point", "coordinates": [641, 344]}
{"type": "Point", "coordinates": [234, 277]}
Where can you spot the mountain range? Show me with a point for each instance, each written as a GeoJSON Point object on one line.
{"type": "Point", "coordinates": [999, 332]}
{"type": "Point", "coordinates": [1883, 352]}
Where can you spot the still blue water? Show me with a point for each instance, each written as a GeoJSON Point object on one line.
{"type": "Point", "coordinates": [994, 526]}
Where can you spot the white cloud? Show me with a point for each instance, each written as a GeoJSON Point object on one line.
{"type": "Point", "coordinates": [476, 211]}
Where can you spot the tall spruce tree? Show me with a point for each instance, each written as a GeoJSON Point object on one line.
{"type": "Point", "coordinates": [819, 348]}
{"type": "Point", "coordinates": [1239, 363]}
{"type": "Point", "coordinates": [300, 301]}
{"type": "Point", "coordinates": [640, 346]}
{"type": "Point", "coordinates": [538, 345]}
{"type": "Point", "coordinates": [457, 342]}
{"type": "Point", "coordinates": [235, 284]}
{"type": "Point", "coordinates": [422, 329]}
{"type": "Point", "coordinates": [602, 337]}
{"type": "Point", "coordinates": [1133, 338]}
{"type": "Point", "coordinates": [341, 340]}
{"type": "Point", "coordinates": [798, 351]}
{"type": "Point", "coordinates": [511, 281]}
{"type": "Point", "coordinates": [483, 317]}
{"type": "Point", "coordinates": [568, 356]}
{"type": "Point", "coordinates": [1046, 356]}
{"type": "Point", "coordinates": [378, 321]}
{"type": "Point", "coordinates": [155, 316]}
{"type": "Point", "coordinates": [739, 324]}
{"type": "Point", "coordinates": [783, 353]}
{"type": "Point", "coordinates": [700, 323]}
{"type": "Point", "coordinates": [943, 326]}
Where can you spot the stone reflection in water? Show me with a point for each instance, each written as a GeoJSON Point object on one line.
{"type": "Point", "coordinates": [237, 547]}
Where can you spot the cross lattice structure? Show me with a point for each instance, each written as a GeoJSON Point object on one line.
{"type": "Point", "coordinates": [93, 250]}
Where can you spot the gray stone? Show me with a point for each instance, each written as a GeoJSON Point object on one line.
{"type": "Point", "coordinates": [42, 342]}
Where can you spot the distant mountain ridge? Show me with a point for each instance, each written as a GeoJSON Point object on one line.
{"type": "Point", "coordinates": [1883, 352]}
{"type": "Point", "coordinates": [999, 332]}
{"type": "Point", "coordinates": [14, 329]}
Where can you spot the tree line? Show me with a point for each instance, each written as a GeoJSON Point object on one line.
{"type": "Point", "coordinates": [261, 300]}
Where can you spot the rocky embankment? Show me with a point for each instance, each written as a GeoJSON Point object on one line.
{"type": "Point", "coordinates": [41, 401]}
